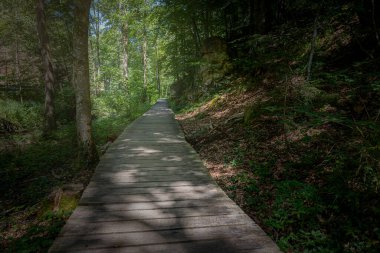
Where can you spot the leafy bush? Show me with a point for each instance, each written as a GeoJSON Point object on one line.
{"type": "Point", "coordinates": [117, 102]}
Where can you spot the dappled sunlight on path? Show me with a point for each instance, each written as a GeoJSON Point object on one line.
{"type": "Point", "coordinates": [151, 193]}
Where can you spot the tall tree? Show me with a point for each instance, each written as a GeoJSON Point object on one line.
{"type": "Point", "coordinates": [49, 123]}
{"type": "Point", "coordinates": [145, 64]}
{"type": "Point", "coordinates": [17, 76]}
{"type": "Point", "coordinates": [158, 80]}
{"type": "Point", "coordinates": [96, 16]}
{"type": "Point", "coordinates": [81, 81]}
{"type": "Point", "coordinates": [145, 53]}
{"type": "Point", "coordinates": [125, 38]}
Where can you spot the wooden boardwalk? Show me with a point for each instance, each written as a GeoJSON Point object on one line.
{"type": "Point", "coordinates": [151, 193]}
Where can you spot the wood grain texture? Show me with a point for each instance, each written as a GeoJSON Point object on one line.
{"type": "Point", "coordinates": [151, 193]}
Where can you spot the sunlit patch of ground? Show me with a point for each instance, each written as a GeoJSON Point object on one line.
{"type": "Point", "coordinates": [228, 145]}
{"type": "Point", "coordinates": [216, 131]}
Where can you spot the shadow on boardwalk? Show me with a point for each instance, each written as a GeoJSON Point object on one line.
{"type": "Point", "coordinates": [151, 193]}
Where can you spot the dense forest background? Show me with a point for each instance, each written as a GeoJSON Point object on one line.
{"type": "Point", "coordinates": [280, 98]}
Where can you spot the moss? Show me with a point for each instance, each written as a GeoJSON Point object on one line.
{"type": "Point", "coordinates": [68, 202]}
{"type": "Point", "coordinates": [215, 102]}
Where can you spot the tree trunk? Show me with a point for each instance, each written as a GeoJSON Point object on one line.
{"type": "Point", "coordinates": [125, 40]}
{"type": "Point", "coordinates": [94, 74]}
{"type": "Point", "coordinates": [49, 123]}
{"type": "Point", "coordinates": [96, 15]}
{"type": "Point", "coordinates": [17, 75]}
{"type": "Point", "coordinates": [145, 63]}
{"type": "Point", "coordinates": [125, 50]}
{"type": "Point", "coordinates": [196, 36]}
{"type": "Point", "coordinates": [158, 71]}
{"type": "Point", "coordinates": [81, 82]}
{"type": "Point", "coordinates": [207, 23]}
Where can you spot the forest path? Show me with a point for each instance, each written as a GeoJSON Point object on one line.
{"type": "Point", "coordinates": [151, 193]}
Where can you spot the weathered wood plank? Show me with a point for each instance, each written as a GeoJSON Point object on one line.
{"type": "Point", "coordinates": [221, 203]}
{"type": "Point", "coordinates": [151, 193]}
{"type": "Point", "coordinates": [146, 151]}
{"type": "Point", "coordinates": [149, 184]}
{"type": "Point", "coordinates": [156, 155]}
{"type": "Point", "coordinates": [114, 240]}
{"type": "Point", "coordinates": [83, 227]}
{"type": "Point", "coordinates": [148, 178]}
{"type": "Point", "coordinates": [151, 197]}
{"type": "Point", "coordinates": [147, 174]}
{"type": "Point", "coordinates": [147, 165]}
{"type": "Point", "coordinates": [170, 213]}
{"type": "Point", "coordinates": [146, 161]}
{"type": "Point", "coordinates": [151, 170]}
{"type": "Point", "coordinates": [205, 246]}
{"type": "Point", "coordinates": [144, 190]}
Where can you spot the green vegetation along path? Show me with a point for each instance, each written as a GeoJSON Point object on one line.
{"type": "Point", "coordinates": [151, 193]}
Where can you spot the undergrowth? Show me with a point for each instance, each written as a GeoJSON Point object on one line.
{"type": "Point", "coordinates": [33, 168]}
{"type": "Point", "coordinates": [306, 161]}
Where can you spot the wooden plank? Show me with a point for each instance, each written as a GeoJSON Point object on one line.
{"type": "Point", "coordinates": [151, 197]}
{"type": "Point", "coordinates": [150, 184]}
{"type": "Point", "coordinates": [148, 166]}
{"type": "Point", "coordinates": [149, 163]}
{"type": "Point", "coordinates": [149, 178]}
{"type": "Point", "coordinates": [162, 156]}
{"type": "Point", "coordinates": [153, 130]}
{"type": "Point", "coordinates": [144, 190]}
{"type": "Point", "coordinates": [153, 179]}
{"type": "Point", "coordinates": [205, 246]}
{"type": "Point", "coordinates": [149, 144]}
{"type": "Point", "coordinates": [155, 213]}
{"type": "Point", "coordinates": [157, 196]}
{"type": "Point", "coordinates": [166, 137]}
{"type": "Point", "coordinates": [146, 172]}
{"type": "Point", "coordinates": [114, 240]}
{"type": "Point", "coordinates": [130, 147]}
{"type": "Point", "coordinates": [221, 203]}
{"type": "Point", "coordinates": [83, 227]}
{"type": "Point", "coordinates": [148, 151]}
{"type": "Point", "coordinates": [138, 169]}
{"type": "Point", "coordinates": [147, 141]}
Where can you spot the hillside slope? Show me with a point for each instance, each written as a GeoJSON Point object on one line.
{"type": "Point", "coordinates": [300, 156]}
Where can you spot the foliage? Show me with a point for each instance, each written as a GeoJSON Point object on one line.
{"type": "Point", "coordinates": [23, 115]}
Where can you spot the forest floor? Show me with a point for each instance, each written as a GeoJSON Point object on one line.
{"type": "Point", "coordinates": [42, 180]}
{"type": "Point", "coordinates": [298, 152]}
{"type": "Point", "coordinates": [216, 130]}
{"type": "Point", "coordinates": [284, 168]}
